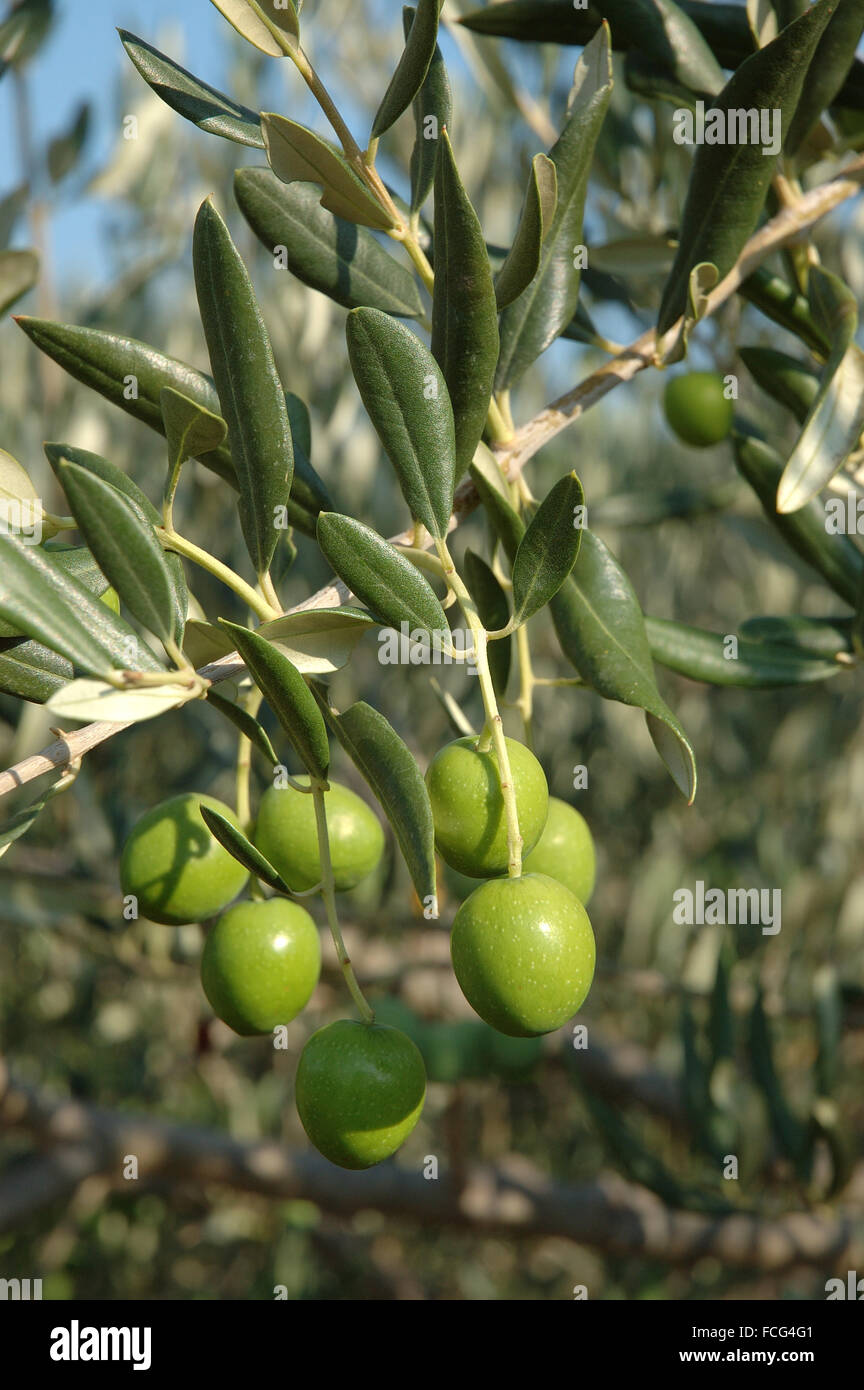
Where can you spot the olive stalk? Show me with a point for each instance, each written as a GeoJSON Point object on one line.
{"type": "Point", "coordinates": [171, 540]}
{"type": "Point", "coordinates": [328, 893]}
{"type": "Point", "coordinates": [490, 704]}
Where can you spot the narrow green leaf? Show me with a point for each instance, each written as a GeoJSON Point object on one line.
{"type": "Point", "coordinates": [205, 643]}
{"type": "Point", "coordinates": [20, 823]}
{"type": "Point", "coordinates": [703, 656]}
{"type": "Point", "coordinates": [602, 633]}
{"type": "Point", "coordinates": [833, 427]}
{"type": "Point", "coordinates": [289, 697]}
{"type": "Point", "coordinates": [319, 640]}
{"type": "Point", "coordinates": [535, 221]}
{"type": "Point", "coordinates": [243, 850]}
{"type": "Point", "coordinates": [246, 723]}
{"type": "Point", "coordinates": [828, 69]}
{"type": "Point", "coordinates": [253, 402]}
{"type": "Point", "coordinates": [835, 557]}
{"type": "Point", "coordinates": [546, 307]}
{"type": "Point", "coordinates": [464, 312]}
{"type": "Point", "coordinates": [19, 271]}
{"type": "Point", "coordinates": [729, 181]}
{"type": "Point", "coordinates": [549, 548]}
{"type": "Point", "coordinates": [789, 381]}
{"type": "Point", "coordinates": [29, 671]}
{"type": "Point", "coordinates": [410, 74]}
{"type": "Point", "coordinates": [189, 428]}
{"type": "Point", "coordinates": [300, 421]}
{"type": "Point", "coordinates": [197, 101]}
{"type": "Point", "coordinates": [391, 771]}
{"type": "Point", "coordinates": [506, 522]}
{"type": "Point", "coordinates": [294, 152]}
{"type": "Point", "coordinates": [40, 600]}
{"type": "Point", "coordinates": [60, 454]}
{"type": "Point", "coordinates": [255, 20]}
{"type": "Point", "coordinates": [790, 1132]}
{"type": "Point", "coordinates": [494, 611]}
{"type": "Point", "coordinates": [432, 107]}
{"type": "Point", "coordinates": [390, 586]}
{"type": "Point", "coordinates": [80, 562]}
{"type": "Point", "coordinates": [664, 35]}
{"type": "Point", "coordinates": [777, 299]}
{"type": "Point", "coordinates": [89, 700]}
{"type": "Point", "coordinates": [406, 398]}
{"type": "Point", "coordinates": [337, 257]}
{"type": "Point", "coordinates": [829, 637]}
{"type": "Point", "coordinates": [125, 546]}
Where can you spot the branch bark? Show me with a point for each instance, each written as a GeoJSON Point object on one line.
{"type": "Point", "coordinates": [512, 456]}
{"type": "Point", "coordinates": [513, 1199]}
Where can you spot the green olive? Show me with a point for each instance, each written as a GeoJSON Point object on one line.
{"type": "Point", "coordinates": [565, 850]}
{"type": "Point", "coordinates": [523, 953]}
{"type": "Point", "coordinates": [174, 866]}
{"type": "Point", "coordinates": [697, 408]}
{"type": "Point", "coordinates": [468, 808]}
{"type": "Point", "coordinates": [360, 1090]}
{"type": "Point", "coordinates": [260, 964]}
{"type": "Point", "coordinates": [286, 833]}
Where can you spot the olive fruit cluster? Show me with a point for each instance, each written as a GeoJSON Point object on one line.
{"type": "Point", "coordinates": [522, 947]}
{"type": "Point", "coordinates": [360, 1087]}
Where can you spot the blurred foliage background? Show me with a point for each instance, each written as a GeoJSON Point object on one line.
{"type": "Point", "coordinates": [112, 1013]}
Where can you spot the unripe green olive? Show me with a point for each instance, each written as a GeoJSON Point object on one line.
{"type": "Point", "coordinates": [260, 964]}
{"type": "Point", "coordinates": [468, 808]}
{"type": "Point", "coordinates": [697, 408]}
{"type": "Point", "coordinates": [175, 867]}
{"type": "Point", "coordinates": [286, 833]}
{"type": "Point", "coordinates": [523, 953]}
{"type": "Point", "coordinates": [565, 850]}
{"type": "Point", "coordinates": [360, 1090]}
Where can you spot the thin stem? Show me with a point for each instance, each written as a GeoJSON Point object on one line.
{"type": "Point", "coordinates": [525, 702]}
{"type": "Point", "coordinates": [409, 240]}
{"type": "Point", "coordinates": [169, 495]}
{"type": "Point", "coordinates": [499, 429]}
{"type": "Point", "coordinates": [252, 704]}
{"type": "Point", "coordinates": [260, 607]}
{"type": "Point", "coordinates": [490, 704]}
{"type": "Point", "coordinates": [269, 591]}
{"type": "Point", "coordinates": [328, 893]}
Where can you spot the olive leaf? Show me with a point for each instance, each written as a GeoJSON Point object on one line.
{"type": "Point", "coordinates": [20, 506]}
{"type": "Point", "coordinates": [549, 548]}
{"type": "Point", "coordinates": [777, 299]}
{"type": "Point", "coordinates": [319, 640]}
{"type": "Point", "coordinates": [393, 590]}
{"type": "Point", "coordinates": [708, 656]}
{"type": "Point", "coordinates": [246, 723]}
{"type": "Point", "coordinates": [255, 20]}
{"type": "Point", "coordinates": [41, 601]}
{"type": "Point", "coordinates": [125, 546]}
{"type": "Point", "coordinates": [836, 418]}
{"type": "Point", "coordinates": [190, 429]}
{"type": "Point", "coordinates": [205, 643]}
{"type": "Point", "coordinates": [296, 153]}
{"type": "Point", "coordinates": [289, 697]}
{"type": "Point", "coordinates": [19, 271]}
{"type": "Point", "coordinates": [494, 611]}
{"type": "Point", "coordinates": [602, 633]}
{"type": "Point", "coordinates": [60, 454]}
{"type": "Point", "coordinates": [391, 771]}
{"type": "Point", "coordinates": [406, 398]}
{"type": "Point", "coordinates": [242, 849]}
{"type": "Point", "coordinates": [410, 74]}
{"type": "Point", "coordinates": [197, 101]}
{"type": "Point", "coordinates": [29, 671]}
{"type": "Point", "coordinates": [464, 312]}
{"type": "Point", "coordinates": [814, 636]}
{"type": "Point", "coordinates": [828, 69]}
{"type": "Point", "coordinates": [328, 253]}
{"type": "Point", "coordinates": [729, 181]}
{"type": "Point", "coordinates": [505, 520]}
{"type": "Point", "coordinates": [787, 380]}
{"type": "Point", "coordinates": [251, 395]}
{"type": "Point", "coordinates": [87, 700]}
{"type": "Point", "coordinates": [18, 824]}
{"type": "Point", "coordinates": [535, 221]}
{"type": "Point", "coordinates": [432, 107]}
{"type": "Point", "coordinates": [545, 308]}
{"type": "Point", "coordinates": [835, 557]}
